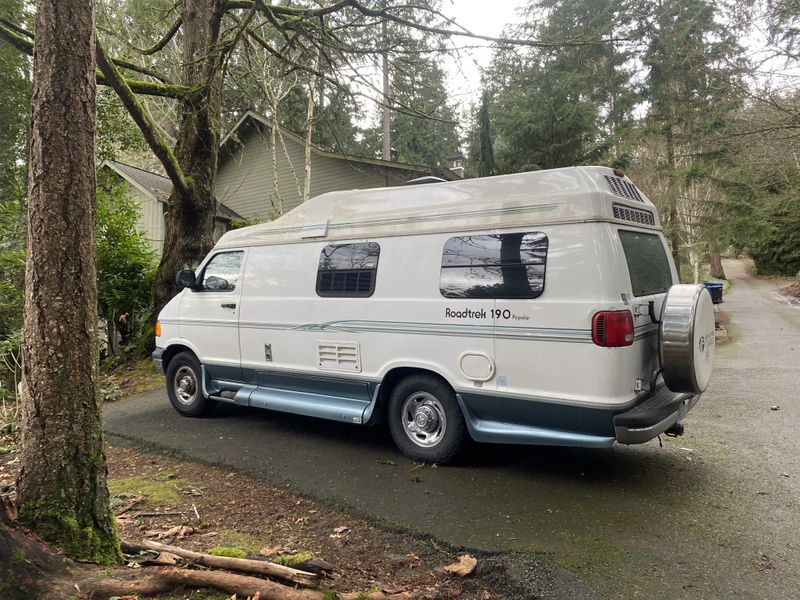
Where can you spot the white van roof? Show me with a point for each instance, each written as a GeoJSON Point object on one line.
{"type": "Point", "coordinates": [567, 195]}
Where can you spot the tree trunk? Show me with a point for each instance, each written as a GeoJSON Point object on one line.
{"type": "Point", "coordinates": [715, 264]}
{"type": "Point", "coordinates": [191, 219]}
{"type": "Point", "coordinates": [62, 492]}
{"type": "Point", "coordinates": [673, 223]}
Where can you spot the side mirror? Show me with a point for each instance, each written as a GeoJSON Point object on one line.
{"type": "Point", "coordinates": [186, 279]}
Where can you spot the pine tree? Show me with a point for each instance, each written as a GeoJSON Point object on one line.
{"type": "Point", "coordinates": [481, 150]}
{"type": "Point", "coordinates": [693, 84]}
{"type": "Point", "coordinates": [570, 103]}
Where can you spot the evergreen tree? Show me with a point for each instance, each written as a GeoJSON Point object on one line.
{"type": "Point", "coordinates": [570, 103]}
{"type": "Point", "coordinates": [484, 156]}
{"type": "Point", "coordinates": [693, 84]}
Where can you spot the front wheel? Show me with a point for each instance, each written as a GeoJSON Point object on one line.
{"type": "Point", "coordinates": [425, 420]}
{"type": "Point", "coordinates": [184, 386]}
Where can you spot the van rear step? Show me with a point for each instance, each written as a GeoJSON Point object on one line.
{"type": "Point", "coordinates": [653, 416]}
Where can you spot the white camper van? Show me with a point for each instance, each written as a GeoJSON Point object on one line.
{"type": "Point", "coordinates": [537, 308]}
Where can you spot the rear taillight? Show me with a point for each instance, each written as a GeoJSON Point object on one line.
{"type": "Point", "coordinates": [613, 328]}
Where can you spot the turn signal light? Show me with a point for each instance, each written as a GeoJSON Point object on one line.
{"type": "Point", "coordinates": [613, 328]}
{"type": "Point", "coordinates": [158, 329]}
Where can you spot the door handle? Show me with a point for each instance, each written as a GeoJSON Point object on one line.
{"type": "Point", "coordinates": [228, 305]}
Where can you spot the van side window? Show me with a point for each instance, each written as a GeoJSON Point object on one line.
{"type": "Point", "coordinates": [647, 261]}
{"type": "Point", "coordinates": [348, 270]}
{"type": "Point", "coordinates": [502, 266]}
{"type": "Point", "coordinates": [222, 272]}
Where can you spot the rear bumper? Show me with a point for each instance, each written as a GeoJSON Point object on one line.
{"type": "Point", "coordinates": [158, 360]}
{"type": "Point", "coordinates": [653, 416]}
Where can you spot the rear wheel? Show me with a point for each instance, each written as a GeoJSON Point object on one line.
{"type": "Point", "coordinates": [425, 420]}
{"type": "Point", "coordinates": [184, 386]}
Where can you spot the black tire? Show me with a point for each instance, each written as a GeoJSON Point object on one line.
{"type": "Point", "coordinates": [184, 386]}
{"type": "Point", "coordinates": [440, 433]}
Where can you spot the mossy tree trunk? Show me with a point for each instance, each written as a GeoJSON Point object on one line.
{"type": "Point", "coordinates": [62, 491]}
{"type": "Point", "coordinates": [191, 221]}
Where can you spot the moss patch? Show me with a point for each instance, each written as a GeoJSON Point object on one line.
{"type": "Point", "coordinates": [79, 536]}
{"type": "Point", "coordinates": [235, 539]}
{"type": "Point", "coordinates": [292, 560]}
{"type": "Point", "coordinates": [229, 551]}
{"type": "Point", "coordinates": [159, 488]}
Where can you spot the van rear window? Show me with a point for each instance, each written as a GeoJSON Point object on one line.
{"type": "Point", "coordinates": [348, 270]}
{"type": "Point", "coordinates": [647, 262]}
{"type": "Point", "coordinates": [503, 266]}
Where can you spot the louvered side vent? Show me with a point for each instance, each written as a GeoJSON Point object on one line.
{"type": "Point", "coordinates": [623, 188]}
{"type": "Point", "coordinates": [634, 215]}
{"type": "Point", "coordinates": [339, 356]}
{"type": "Point", "coordinates": [356, 282]}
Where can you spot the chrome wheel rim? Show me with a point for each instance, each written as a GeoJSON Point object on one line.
{"type": "Point", "coordinates": [424, 419]}
{"type": "Point", "coordinates": [185, 385]}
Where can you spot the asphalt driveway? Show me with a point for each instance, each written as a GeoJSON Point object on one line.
{"type": "Point", "coordinates": [713, 514]}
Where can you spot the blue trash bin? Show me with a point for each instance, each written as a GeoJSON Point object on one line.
{"type": "Point", "coordinates": [715, 289]}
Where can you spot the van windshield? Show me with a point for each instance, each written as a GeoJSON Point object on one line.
{"type": "Point", "coordinates": [647, 262]}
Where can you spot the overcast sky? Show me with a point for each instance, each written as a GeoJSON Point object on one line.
{"type": "Point", "coordinates": [485, 17]}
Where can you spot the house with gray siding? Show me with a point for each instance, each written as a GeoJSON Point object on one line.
{"type": "Point", "coordinates": [260, 184]}
{"type": "Point", "coordinates": [151, 193]}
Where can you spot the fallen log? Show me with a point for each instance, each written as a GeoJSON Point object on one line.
{"type": "Point", "coordinates": [156, 580]}
{"type": "Point", "coordinates": [241, 565]}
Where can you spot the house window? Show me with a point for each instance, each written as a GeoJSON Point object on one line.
{"type": "Point", "coordinates": [502, 266]}
{"type": "Point", "coordinates": [219, 230]}
{"type": "Point", "coordinates": [348, 270]}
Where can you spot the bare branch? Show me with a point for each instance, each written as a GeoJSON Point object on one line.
{"type": "Point", "coordinates": [149, 128]}
{"type": "Point", "coordinates": [124, 64]}
{"type": "Point", "coordinates": [294, 12]}
{"type": "Point", "coordinates": [9, 35]}
{"type": "Point", "coordinates": [159, 45]}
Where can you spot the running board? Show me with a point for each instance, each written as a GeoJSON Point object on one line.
{"type": "Point", "coordinates": [309, 404]}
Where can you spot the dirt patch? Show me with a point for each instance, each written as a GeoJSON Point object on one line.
{"type": "Point", "coordinates": [210, 508]}
{"type": "Point", "coordinates": [228, 510]}
{"type": "Point", "coordinates": [792, 292]}
{"type": "Point", "coordinates": [721, 322]}
{"type": "Point", "coordinates": [129, 379]}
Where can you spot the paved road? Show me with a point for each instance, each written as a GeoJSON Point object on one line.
{"type": "Point", "coordinates": [714, 514]}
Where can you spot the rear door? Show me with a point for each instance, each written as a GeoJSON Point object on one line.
{"type": "Point", "coordinates": [651, 275]}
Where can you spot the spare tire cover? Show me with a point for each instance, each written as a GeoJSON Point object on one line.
{"type": "Point", "coordinates": [687, 338]}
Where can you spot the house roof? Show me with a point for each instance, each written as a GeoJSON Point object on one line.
{"type": "Point", "coordinates": [250, 118]}
{"type": "Point", "coordinates": [157, 186]}
{"type": "Point", "coordinates": [532, 199]}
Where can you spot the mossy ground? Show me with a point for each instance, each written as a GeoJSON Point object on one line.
{"type": "Point", "coordinates": [248, 544]}
{"type": "Point", "coordinates": [229, 551]}
{"type": "Point", "coordinates": [129, 379]}
{"type": "Point", "coordinates": [292, 560]}
{"type": "Point", "coordinates": [158, 488]}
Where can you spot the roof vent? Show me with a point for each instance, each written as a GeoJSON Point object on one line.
{"type": "Point", "coordinates": [426, 179]}
{"type": "Point", "coordinates": [634, 215]}
{"type": "Point", "coordinates": [623, 188]}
